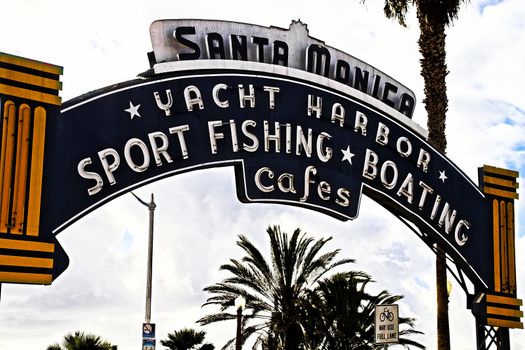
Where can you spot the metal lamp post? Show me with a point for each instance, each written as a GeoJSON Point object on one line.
{"type": "Point", "coordinates": [240, 303]}
{"type": "Point", "coordinates": [151, 206]}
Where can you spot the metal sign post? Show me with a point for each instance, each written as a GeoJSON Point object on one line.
{"type": "Point", "coordinates": [148, 329]}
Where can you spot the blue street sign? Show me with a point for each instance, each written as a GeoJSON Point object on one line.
{"type": "Point", "coordinates": [148, 344]}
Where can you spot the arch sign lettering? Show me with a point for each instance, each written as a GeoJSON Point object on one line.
{"type": "Point", "coordinates": [300, 122]}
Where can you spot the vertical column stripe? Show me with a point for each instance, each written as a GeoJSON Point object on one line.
{"type": "Point", "coordinates": [6, 161]}
{"type": "Point", "coordinates": [503, 240]}
{"type": "Point", "coordinates": [22, 160]}
{"type": "Point", "coordinates": [5, 120]}
{"type": "Point", "coordinates": [511, 251]}
{"type": "Point", "coordinates": [495, 239]}
{"type": "Point", "coordinates": [37, 171]}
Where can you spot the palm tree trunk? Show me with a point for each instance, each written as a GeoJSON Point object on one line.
{"type": "Point", "coordinates": [443, 332]}
{"type": "Point", "coordinates": [293, 337]}
{"type": "Point", "coordinates": [434, 72]}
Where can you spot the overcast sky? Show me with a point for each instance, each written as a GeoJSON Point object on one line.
{"type": "Point", "coordinates": [198, 216]}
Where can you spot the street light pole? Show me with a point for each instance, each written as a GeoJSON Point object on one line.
{"type": "Point", "coordinates": [240, 303]}
{"type": "Point", "coordinates": [151, 206]}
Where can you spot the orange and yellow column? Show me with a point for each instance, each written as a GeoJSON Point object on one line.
{"type": "Point", "coordinates": [28, 90]}
{"type": "Point", "coordinates": [502, 308]}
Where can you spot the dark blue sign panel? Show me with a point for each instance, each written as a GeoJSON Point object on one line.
{"type": "Point", "coordinates": [148, 344]}
{"type": "Point", "coordinates": [292, 141]}
{"type": "Point", "coordinates": [148, 330]}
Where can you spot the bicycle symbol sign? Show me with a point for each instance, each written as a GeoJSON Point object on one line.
{"type": "Point", "coordinates": [386, 315]}
{"type": "Point", "coordinates": [386, 324]}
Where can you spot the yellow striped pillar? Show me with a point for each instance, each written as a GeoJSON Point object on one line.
{"type": "Point", "coordinates": [28, 90]}
{"type": "Point", "coordinates": [502, 308]}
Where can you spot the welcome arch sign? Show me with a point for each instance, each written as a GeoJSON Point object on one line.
{"type": "Point", "coordinates": [300, 122]}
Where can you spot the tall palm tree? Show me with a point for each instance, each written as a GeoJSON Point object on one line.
{"type": "Point", "coordinates": [434, 16]}
{"type": "Point", "coordinates": [341, 316]}
{"type": "Point", "coordinates": [186, 339]}
{"type": "Point", "coordinates": [275, 291]}
{"type": "Point", "coordinates": [82, 341]}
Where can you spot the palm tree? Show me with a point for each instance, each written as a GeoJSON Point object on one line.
{"type": "Point", "coordinates": [275, 291]}
{"type": "Point", "coordinates": [82, 341]}
{"type": "Point", "coordinates": [186, 339]}
{"type": "Point", "coordinates": [434, 16]}
{"type": "Point", "coordinates": [341, 316]}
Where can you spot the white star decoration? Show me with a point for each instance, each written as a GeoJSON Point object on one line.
{"type": "Point", "coordinates": [133, 110]}
{"type": "Point", "coordinates": [442, 175]}
{"type": "Point", "coordinates": [347, 155]}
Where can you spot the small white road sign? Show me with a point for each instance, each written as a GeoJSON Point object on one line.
{"type": "Point", "coordinates": [387, 324]}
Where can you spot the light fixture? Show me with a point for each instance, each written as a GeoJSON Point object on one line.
{"type": "Point", "coordinates": [240, 302]}
{"type": "Point", "coordinates": [449, 287]}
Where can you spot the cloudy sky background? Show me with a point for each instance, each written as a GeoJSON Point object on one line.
{"type": "Point", "coordinates": [198, 216]}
